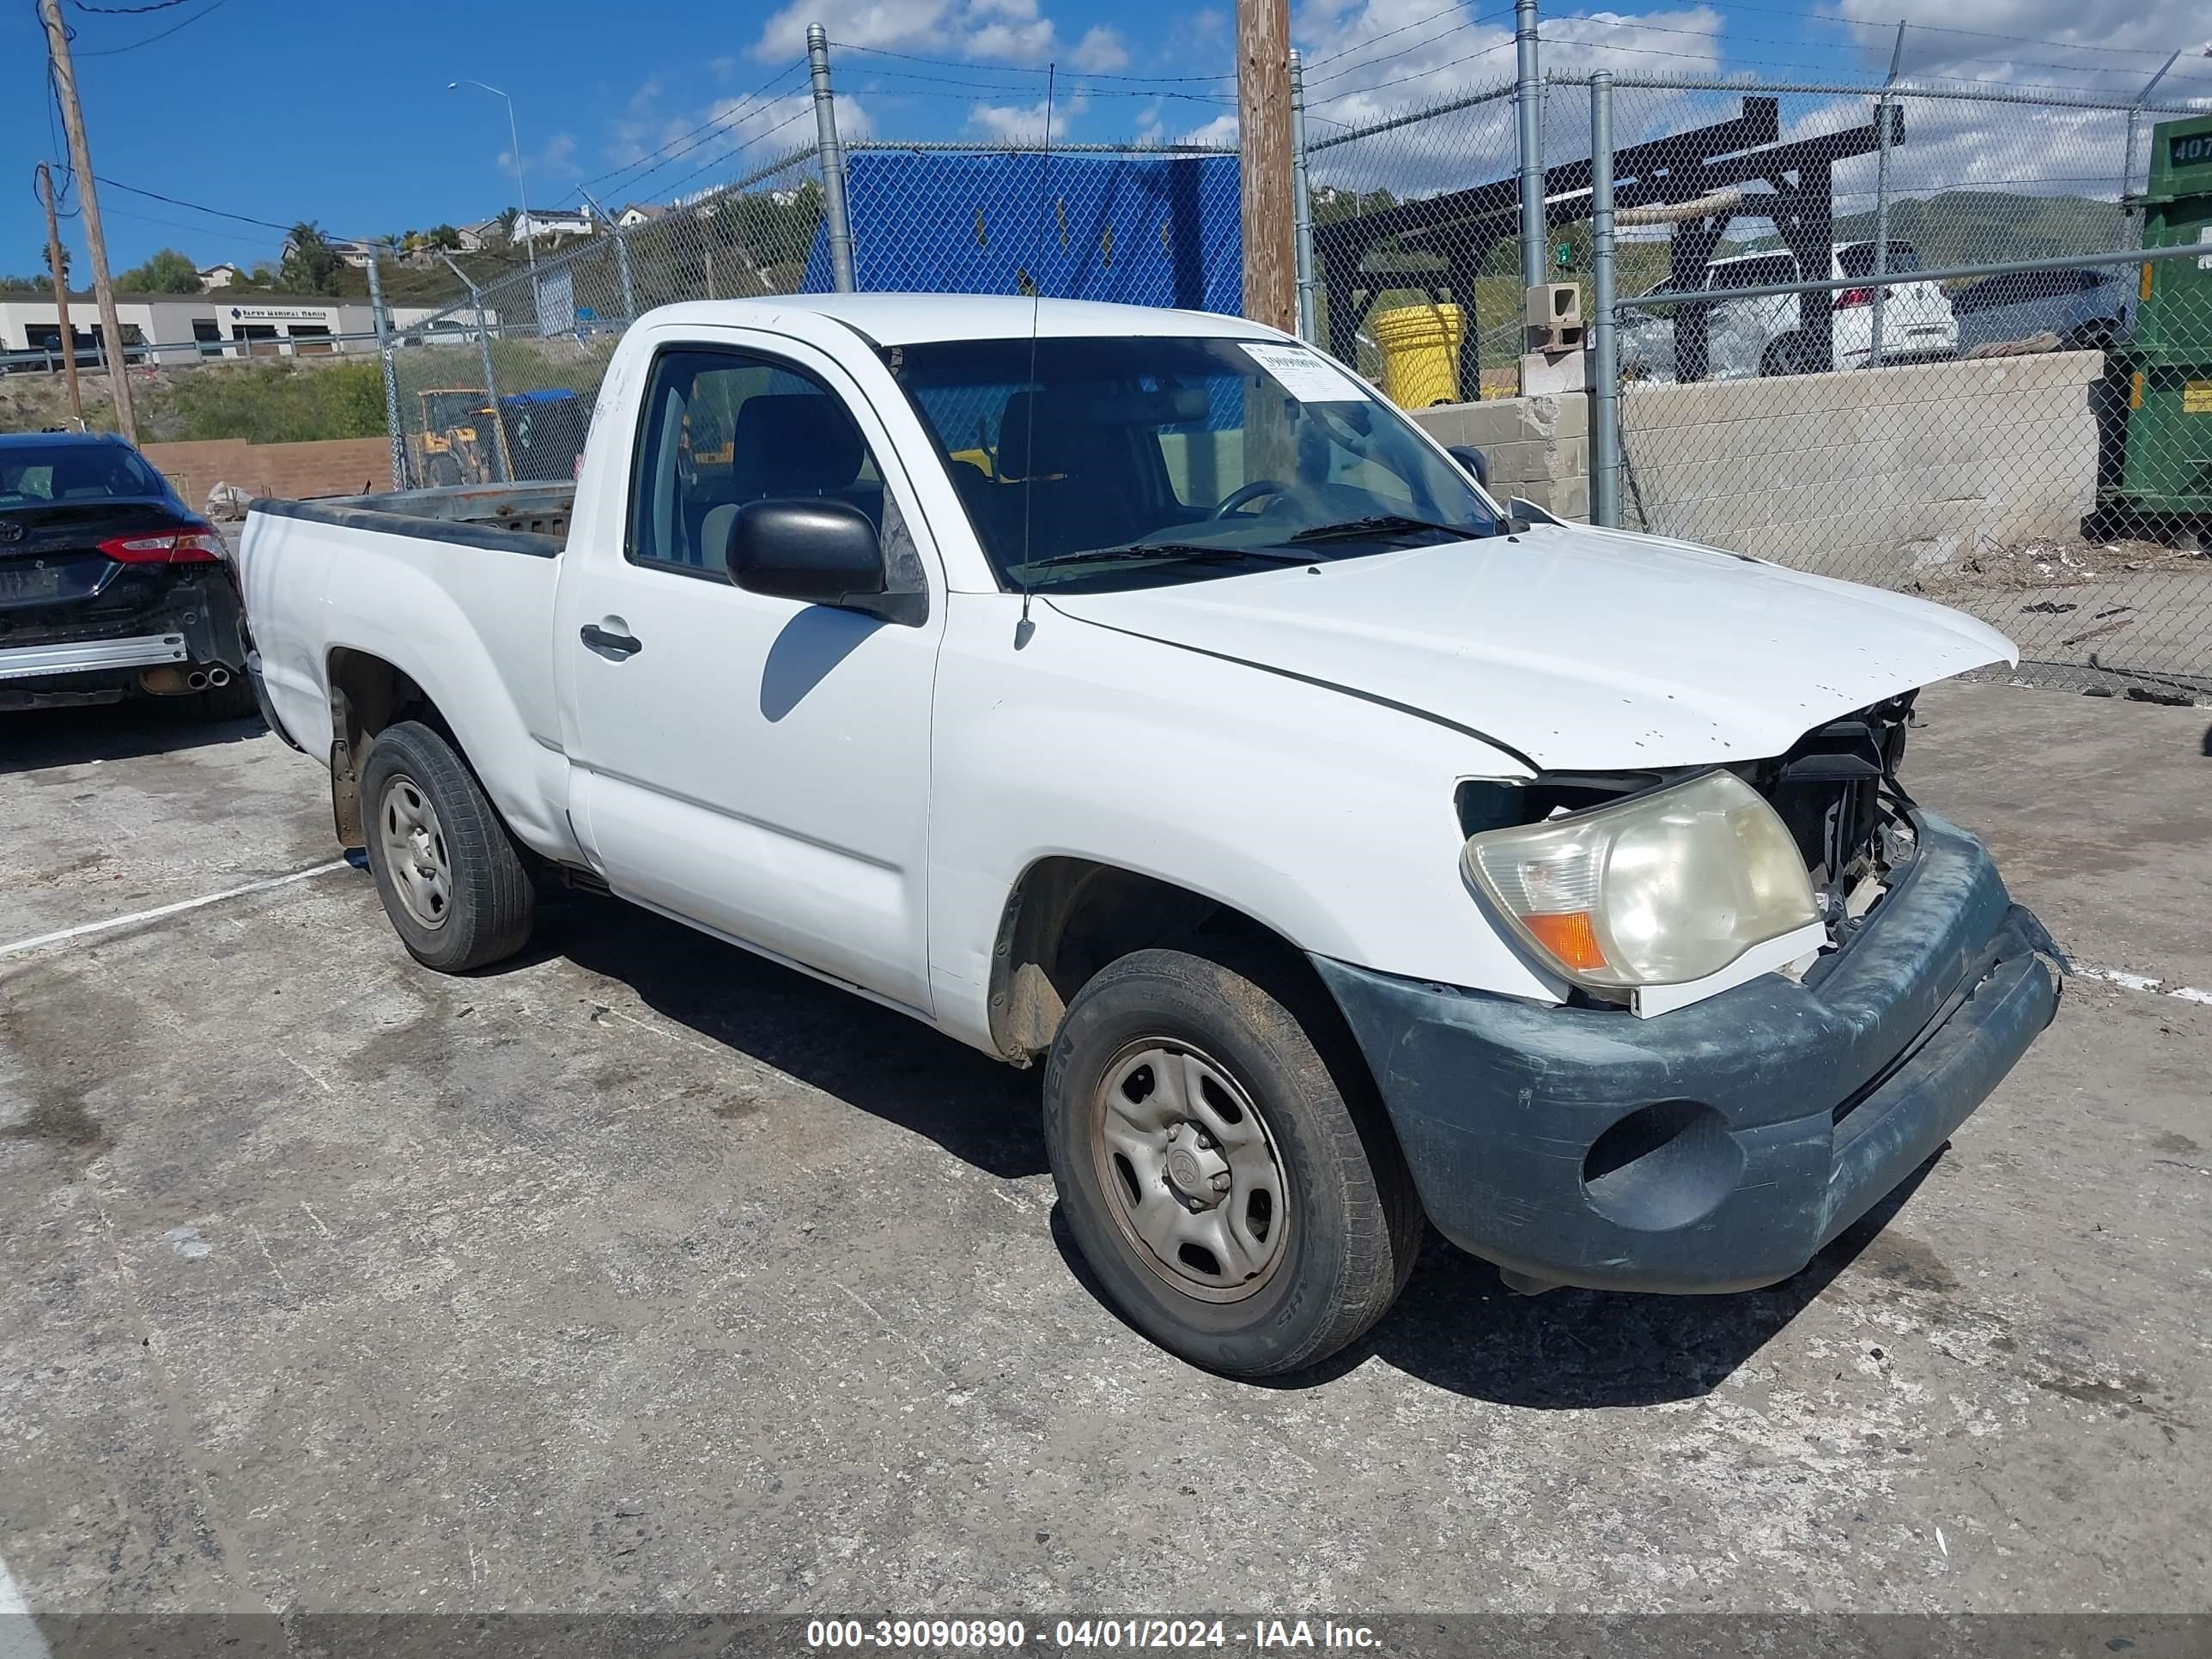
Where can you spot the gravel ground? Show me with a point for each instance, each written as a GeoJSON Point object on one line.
{"type": "Point", "coordinates": [639, 1275]}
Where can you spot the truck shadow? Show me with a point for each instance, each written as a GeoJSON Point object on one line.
{"type": "Point", "coordinates": [1459, 1328]}
{"type": "Point", "coordinates": [978, 1110]}
{"type": "Point", "coordinates": [1456, 1326]}
{"type": "Point", "coordinates": [34, 738]}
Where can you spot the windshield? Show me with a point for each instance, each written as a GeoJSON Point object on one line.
{"type": "Point", "coordinates": [73, 472]}
{"type": "Point", "coordinates": [1123, 461]}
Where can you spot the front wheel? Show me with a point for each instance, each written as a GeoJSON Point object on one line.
{"type": "Point", "coordinates": [1223, 1164]}
{"type": "Point", "coordinates": [450, 877]}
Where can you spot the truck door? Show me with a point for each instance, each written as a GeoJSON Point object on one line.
{"type": "Point", "coordinates": [756, 764]}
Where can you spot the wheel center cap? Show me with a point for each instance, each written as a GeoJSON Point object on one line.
{"type": "Point", "coordinates": [1199, 1173]}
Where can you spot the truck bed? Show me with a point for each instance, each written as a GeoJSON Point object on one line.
{"type": "Point", "coordinates": [520, 518]}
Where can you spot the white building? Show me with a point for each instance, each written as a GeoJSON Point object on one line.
{"type": "Point", "coordinates": [639, 213]}
{"type": "Point", "coordinates": [218, 276]}
{"type": "Point", "coordinates": [551, 222]}
{"type": "Point", "coordinates": [182, 328]}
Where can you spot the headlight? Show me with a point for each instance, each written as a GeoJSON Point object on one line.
{"type": "Point", "coordinates": [1672, 886]}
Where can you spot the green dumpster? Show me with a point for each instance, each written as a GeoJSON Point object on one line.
{"type": "Point", "coordinates": [2158, 389]}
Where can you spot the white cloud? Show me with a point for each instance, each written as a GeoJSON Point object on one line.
{"type": "Point", "coordinates": [1012, 31]}
{"type": "Point", "coordinates": [556, 160]}
{"type": "Point", "coordinates": [2104, 45]}
{"type": "Point", "coordinates": [1024, 124]}
{"type": "Point", "coordinates": [1101, 53]}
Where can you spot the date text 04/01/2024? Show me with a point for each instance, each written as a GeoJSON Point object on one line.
{"type": "Point", "coordinates": [984, 1636]}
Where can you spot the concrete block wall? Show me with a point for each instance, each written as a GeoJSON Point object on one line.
{"type": "Point", "coordinates": [1875, 476]}
{"type": "Point", "coordinates": [1538, 448]}
{"type": "Point", "coordinates": [334, 466]}
{"type": "Point", "coordinates": [1872, 476]}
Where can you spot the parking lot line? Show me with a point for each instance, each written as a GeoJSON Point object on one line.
{"type": "Point", "coordinates": [178, 909]}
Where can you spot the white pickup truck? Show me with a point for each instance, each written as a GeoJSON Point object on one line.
{"type": "Point", "coordinates": [1137, 692]}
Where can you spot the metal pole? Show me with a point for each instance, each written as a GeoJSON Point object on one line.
{"type": "Point", "coordinates": [61, 293]}
{"type": "Point", "coordinates": [1302, 205]}
{"type": "Point", "coordinates": [383, 325]}
{"type": "Point", "coordinates": [621, 253]}
{"type": "Point", "coordinates": [1528, 100]}
{"type": "Point", "coordinates": [1604, 343]}
{"type": "Point", "coordinates": [2135, 126]}
{"type": "Point", "coordinates": [1882, 193]}
{"type": "Point", "coordinates": [833, 161]}
{"type": "Point", "coordinates": [491, 384]}
{"type": "Point", "coordinates": [521, 185]}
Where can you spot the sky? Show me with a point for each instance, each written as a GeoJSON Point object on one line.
{"type": "Point", "coordinates": [276, 111]}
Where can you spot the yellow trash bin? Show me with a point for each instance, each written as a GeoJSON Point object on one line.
{"type": "Point", "coordinates": [1420, 353]}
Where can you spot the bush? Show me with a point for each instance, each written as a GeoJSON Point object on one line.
{"type": "Point", "coordinates": [271, 403]}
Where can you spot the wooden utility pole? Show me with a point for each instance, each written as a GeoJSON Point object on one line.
{"type": "Point", "coordinates": [61, 291]}
{"type": "Point", "coordinates": [111, 327]}
{"type": "Point", "coordinates": [1263, 125]}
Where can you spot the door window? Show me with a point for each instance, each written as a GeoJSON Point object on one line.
{"type": "Point", "coordinates": [725, 427]}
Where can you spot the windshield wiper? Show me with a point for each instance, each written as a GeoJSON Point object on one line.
{"type": "Point", "coordinates": [1212, 555]}
{"type": "Point", "coordinates": [1388, 524]}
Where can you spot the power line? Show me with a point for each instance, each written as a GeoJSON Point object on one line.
{"type": "Point", "coordinates": [727, 155]}
{"type": "Point", "coordinates": [129, 11]}
{"type": "Point", "coordinates": [1023, 69]}
{"type": "Point", "coordinates": [111, 52]}
{"type": "Point", "coordinates": [1083, 89]}
{"type": "Point", "coordinates": [1361, 45]}
{"type": "Point", "coordinates": [1367, 63]}
{"type": "Point", "coordinates": [669, 150]}
{"type": "Point", "coordinates": [1423, 74]}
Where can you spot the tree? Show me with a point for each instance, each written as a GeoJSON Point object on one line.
{"type": "Point", "coordinates": [444, 236]}
{"type": "Point", "coordinates": [311, 264]}
{"type": "Point", "coordinates": [167, 272]}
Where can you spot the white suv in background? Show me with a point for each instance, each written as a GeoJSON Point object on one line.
{"type": "Point", "coordinates": [1763, 335]}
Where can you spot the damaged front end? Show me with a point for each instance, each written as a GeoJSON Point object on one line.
{"type": "Point", "coordinates": [1718, 1145]}
{"type": "Point", "coordinates": [1835, 793]}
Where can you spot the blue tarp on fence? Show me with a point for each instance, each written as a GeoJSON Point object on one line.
{"type": "Point", "coordinates": [1139, 229]}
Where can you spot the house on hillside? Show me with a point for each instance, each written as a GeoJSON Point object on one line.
{"type": "Point", "coordinates": [552, 222]}
{"type": "Point", "coordinates": [218, 276]}
{"type": "Point", "coordinates": [475, 237]}
{"type": "Point", "coordinates": [639, 213]}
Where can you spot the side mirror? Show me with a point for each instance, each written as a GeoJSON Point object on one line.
{"type": "Point", "coordinates": [1473, 460]}
{"type": "Point", "coordinates": [807, 548]}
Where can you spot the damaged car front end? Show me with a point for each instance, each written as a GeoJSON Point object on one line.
{"type": "Point", "coordinates": [1851, 1001]}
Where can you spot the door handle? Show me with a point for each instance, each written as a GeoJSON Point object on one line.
{"type": "Point", "coordinates": [615, 648]}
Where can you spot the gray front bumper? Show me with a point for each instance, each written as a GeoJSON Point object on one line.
{"type": "Point", "coordinates": [1719, 1146]}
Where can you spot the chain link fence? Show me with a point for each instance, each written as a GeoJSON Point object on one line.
{"type": "Point", "coordinates": [1890, 332]}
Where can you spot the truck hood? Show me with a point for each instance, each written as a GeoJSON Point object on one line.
{"type": "Point", "coordinates": [1573, 648]}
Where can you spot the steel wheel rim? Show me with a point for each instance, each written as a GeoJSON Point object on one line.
{"type": "Point", "coordinates": [415, 852]}
{"type": "Point", "coordinates": [1189, 1170]}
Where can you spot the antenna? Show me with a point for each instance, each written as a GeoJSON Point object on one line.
{"type": "Point", "coordinates": [1036, 302]}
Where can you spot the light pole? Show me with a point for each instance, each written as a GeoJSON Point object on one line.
{"type": "Point", "coordinates": [521, 188]}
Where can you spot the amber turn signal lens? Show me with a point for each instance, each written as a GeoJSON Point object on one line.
{"type": "Point", "coordinates": [1568, 937]}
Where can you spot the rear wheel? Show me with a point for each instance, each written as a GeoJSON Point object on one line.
{"type": "Point", "coordinates": [1790, 354]}
{"type": "Point", "coordinates": [452, 878]}
{"type": "Point", "coordinates": [1222, 1162]}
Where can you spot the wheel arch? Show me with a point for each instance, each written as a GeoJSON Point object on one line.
{"type": "Point", "coordinates": [368, 694]}
{"type": "Point", "coordinates": [1068, 917]}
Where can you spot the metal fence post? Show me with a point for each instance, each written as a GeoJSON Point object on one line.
{"type": "Point", "coordinates": [383, 325]}
{"type": "Point", "coordinates": [1882, 193]}
{"type": "Point", "coordinates": [1302, 205]}
{"type": "Point", "coordinates": [491, 384]}
{"type": "Point", "coordinates": [833, 160]}
{"type": "Point", "coordinates": [2134, 130]}
{"type": "Point", "coordinates": [621, 272]}
{"type": "Point", "coordinates": [1605, 341]}
{"type": "Point", "coordinates": [1527, 102]}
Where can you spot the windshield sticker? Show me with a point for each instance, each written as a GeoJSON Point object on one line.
{"type": "Point", "coordinates": [1306, 375]}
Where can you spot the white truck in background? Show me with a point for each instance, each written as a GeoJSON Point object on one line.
{"type": "Point", "coordinates": [1136, 692]}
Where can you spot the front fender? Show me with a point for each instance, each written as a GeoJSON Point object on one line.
{"type": "Point", "coordinates": [1319, 815]}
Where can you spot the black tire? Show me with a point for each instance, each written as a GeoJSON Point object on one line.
{"type": "Point", "coordinates": [490, 902]}
{"type": "Point", "coordinates": [1353, 1223]}
{"type": "Point", "coordinates": [1788, 356]}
